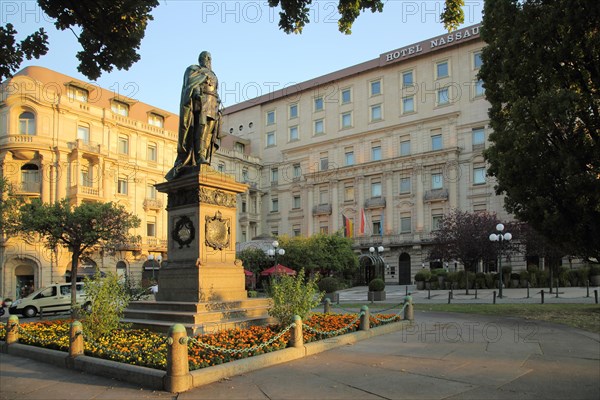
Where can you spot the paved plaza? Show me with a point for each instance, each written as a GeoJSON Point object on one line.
{"type": "Point", "coordinates": [442, 356]}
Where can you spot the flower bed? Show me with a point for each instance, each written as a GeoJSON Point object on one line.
{"type": "Point", "coordinates": [149, 349]}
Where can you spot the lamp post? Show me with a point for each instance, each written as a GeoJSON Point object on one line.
{"type": "Point", "coordinates": [275, 252]}
{"type": "Point", "coordinates": [500, 238]}
{"type": "Point", "coordinates": [377, 261]}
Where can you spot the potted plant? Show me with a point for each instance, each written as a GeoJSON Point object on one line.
{"type": "Point", "coordinates": [524, 278]}
{"type": "Point", "coordinates": [514, 280]}
{"type": "Point", "coordinates": [441, 276]}
{"type": "Point", "coordinates": [595, 275]}
{"type": "Point", "coordinates": [452, 280]}
{"type": "Point", "coordinates": [376, 290]}
{"type": "Point", "coordinates": [330, 285]}
{"type": "Point", "coordinates": [421, 277]}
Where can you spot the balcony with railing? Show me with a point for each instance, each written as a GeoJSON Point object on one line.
{"type": "Point", "coordinates": [156, 244]}
{"type": "Point", "coordinates": [29, 188]}
{"type": "Point", "coordinates": [402, 239]}
{"type": "Point", "coordinates": [249, 217]}
{"type": "Point", "coordinates": [375, 202]}
{"type": "Point", "coordinates": [436, 195]}
{"type": "Point", "coordinates": [84, 191]}
{"type": "Point", "coordinates": [85, 146]}
{"type": "Point", "coordinates": [152, 204]}
{"type": "Point", "coordinates": [322, 209]}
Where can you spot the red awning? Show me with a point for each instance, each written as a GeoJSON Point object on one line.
{"type": "Point", "coordinates": [248, 273]}
{"type": "Point", "coordinates": [278, 269]}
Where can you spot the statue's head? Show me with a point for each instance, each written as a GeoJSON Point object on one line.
{"type": "Point", "coordinates": [205, 59]}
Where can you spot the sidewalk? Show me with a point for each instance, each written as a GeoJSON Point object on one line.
{"type": "Point", "coordinates": [442, 356]}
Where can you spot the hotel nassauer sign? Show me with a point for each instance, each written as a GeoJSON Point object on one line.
{"type": "Point", "coordinates": [461, 35]}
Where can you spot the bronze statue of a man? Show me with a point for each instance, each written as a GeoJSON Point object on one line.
{"type": "Point", "coordinates": [199, 118]}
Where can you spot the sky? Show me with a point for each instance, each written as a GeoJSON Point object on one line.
{"type": "Point", "coordinates": [251, 55]}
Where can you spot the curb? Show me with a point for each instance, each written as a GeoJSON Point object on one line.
{"type": "Point", "coordinates": [154, 379]}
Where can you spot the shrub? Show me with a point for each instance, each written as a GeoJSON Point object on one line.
{"type": "Point", "coordinates": [423, 275]}
{"type": "Point", "coordinates": [328, 284]}
{"type": "Point", "coordinates": [293, 295]}
{"type": "Point", "coordinates": [439, 272]}
{"type": "Point", "coordinates": [377, 285]}
{"type": "Point", "coordinates": [594, 270]}
{"type": "Point", "coordinates": [480, 280]}
{"type": "Point", "coordinates": [524, 275]}
{"type": "Point", "coordinates": [543, 277]}
{"type": "Point", "coordinates": [506, 270]}
{"type": "Point", "coordinates": [489, 280]}
{"type": "Point", "coordinates": [109, 298]}
{"type": "Point", "coordinates": [452, 277]}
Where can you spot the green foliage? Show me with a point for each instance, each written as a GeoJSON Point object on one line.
{"type": "Point", "coordinates": [377, 285]}
{"type": "Point", "coordinates": [328, 284]}
{"type": "Point", "coordinates": [79, 228]}
{"type": "Point", "coordinates": [480, 280]}
{"type": "Point", "coordinates": [9, 208]}
{"type": "Point", "coordinates": [524, 275]}
{"type": "Point", "coordinates": [108, 298]}
{"type": "Point", "coordinates": [540, 73]}
{"type": "Point", "coordinates": [423, 275]}
{"type": "Point", "coordinates": [12, 52]}
{"type": "Point", "coordinates": [594, 269]}
{"type": "Point", "coordinates": [254, 259]}
{"type": "Point", "coordinates": [293, 295]}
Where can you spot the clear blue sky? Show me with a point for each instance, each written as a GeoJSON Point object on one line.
{"type": "Point", "coordinates": [251, 56]}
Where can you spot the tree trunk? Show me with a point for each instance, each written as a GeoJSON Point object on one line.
{"type": "Point", "coordinates": [74, 268]}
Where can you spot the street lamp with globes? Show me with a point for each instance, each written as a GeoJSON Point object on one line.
{"type": "Point", "coordinates": [500, 238]}
{"type": "Point", "coordinates": [275, 252]}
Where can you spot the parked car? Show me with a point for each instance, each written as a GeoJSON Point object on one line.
{"type": "Point", "coordinates": [54, 298]}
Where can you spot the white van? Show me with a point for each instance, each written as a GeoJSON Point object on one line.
{"type": "Point", "coordinates": [54, 298]}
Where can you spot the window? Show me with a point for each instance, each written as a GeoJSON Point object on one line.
{"type": "Point", "coordinates": [221, 167]}
{"type": "Point", "coordinates": [274, 204]}
{"type": "Point", "coordinates": [349, 192]}
{"type": "Point", "coordinates": [347, 120]}
{"type": "Point", "coordinates": [274, 175]}
{"type": "Point", "coordinates": [123, 145]}
{"type": "Point", "coordinates": [83, 133]}
{"type": "Point", "coordinates": [293, 111]}
{"type": "Point", "coordinates": [323, 196]}
{"type": "Point", "coordinates": [408, 104]}
{"type": "Point", "coordinates": [478, 175]}
{"type": "Point", "coordinates": [375, 88]}
{"type": "Point", "coordinates": [156, 120]}
{"type": "Point", "coordinates": [76, 93]}
{"type": "Point", "coordinates": [151, 226]}
{"type": "Point", "coordinates": [376, 113]}
{"type": "Point", "coordinates": [437, 181]}
{"type": "Point", "coordinates": [479, 90]}
{"type": "Point", "coordinates": [297, 171]}
{"type": "Point", "coordinates": [349, 157]}
{"type": "Point", "coordinates": [244, 207]}
{"type": "Point", "coordinates": [324, 229]}
{"type": "Point", "coordinates": [324, 163]}
{"type": "Point", "coordinates": [120, 108]}
{"type": "Point", "coordinates": [319, 127]}
{"type": "Point", "coordinates": [443, 96]}
{"type": "Point", "coordinates": [376, 189]}
{"type": "Point", "coordinates": [151, 191]}
{"type": "Point", "coordinates": [478, 137]}
{"type": "Point", "coordinates": [240, 147]}
{"type": "Point", "coordinates": [405, 148]}
{"type": "Point", "coordinates": [271, 117]}
{"type": "Point", "coordinates": [436, 142]}
{"type": "Point", "coordinates": [294, 133]}
{"type": "Point", "coordinates": [122, 185]}
{"type": "Point", "coordinates": [376, 153]}
{"type": "Point", "coordinates": [151, 152]}
{"type": "Point", "coordinates": [270, 139]}
{"type": "Point", "coordinates": [318, 104]}
{"type": "Point", "coordinates": [245, 175]}
{"type": "Point", "coordinates": [346, 96]}
{"type": "Point", "coordinates": [405, 185]}
{"type": "Point", "coordinates": [26, 123]}
{"type": "Point", "coordinates": [477, 61]}
{"type": "Point", "coordinates": [436, 221]}
{"type": "Point", "coordinates": [441, 69]}
{"type": "Point", "coordinates": [296, 201]}
{"type": "Point", "coordinates": [407, 78]}
{"type": "Point", "coordinates": [377, 228]}
{"type": "Point", "coordinates": [296, 231]}
{"type": "Point", "coordinates": [405, 224]}
{"type": "Point", "coordinates": [86, 176]}
{"type": "Point", "coordinates": [30, 178]}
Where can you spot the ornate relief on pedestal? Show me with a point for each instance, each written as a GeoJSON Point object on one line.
{"type": "Point", "coordinates": [217, 197]}
{"type": "Point", "coordinates": [218, 231]}
{"type": "Point", "coordinates": [184, 232]}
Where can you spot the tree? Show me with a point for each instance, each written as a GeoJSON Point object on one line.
{"type": "Point", "coordinates": [110, 34]}
{"type": "Point", "coordinates": [111, 31]}
{"type": "Point", "coordinates": [464, 236]}
{"type": "Point", "coordinates": [254, 259]}
{"type": "Point", "coordinates": [9, 208]}
{"type": "Point", "coordinates": [541, 76]}
{"type": "Point", "coordinates": [80, 228]}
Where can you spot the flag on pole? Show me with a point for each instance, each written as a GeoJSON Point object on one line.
{"type": "Point", "coordinates": [363, 222]}
{"type": "Point", "coordinates": [348, 226]}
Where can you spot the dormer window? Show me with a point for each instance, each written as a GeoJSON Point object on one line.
{"type": "Point", "coordinates": [77, 93]}
{"type": "Point", "coordinates": [156, 120]}
{"type": "Point", "coordinates": [118, 107]}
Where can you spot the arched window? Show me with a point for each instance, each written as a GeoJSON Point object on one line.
{"type": "Point", "coordinates": [27, 123]}
{"type": "Point", "coordinates": [30, 178]}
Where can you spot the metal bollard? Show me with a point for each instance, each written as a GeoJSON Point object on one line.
{"type": "Point", "coordinates": [12, 330]}
{"type": "Point", "coordinates": [327, 306]}
{"type": "Point", "coordinates": [429, 293]}
{"type": "Point", "coordinates": [178, 378]}
{"type": "Point", "coordinates": [596, 295]}
{"type": "Point", "coordinates": [542, 293]}
{"type": "Point", "coordinates": [527, 289]}
{"type": "Point", "coordinates": [476, 290]}
{"type": "Point", "coordinates": [449, 297]}
{"type": "Point", "coordinates": [365, 324]}
{"type": "Point", "coordinates": [76, 339]}
{"type": "Point", "coordinates": [587, 286]}
{"type": "Point", "coordinates": [494, 292]}
{"type": "Point", "coordinates": [557, 288]}
{"type": "Point", "coordinates": [296, 338]}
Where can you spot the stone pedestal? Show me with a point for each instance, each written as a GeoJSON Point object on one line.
{"type": "Point", "coordinates": [201, 264]}
{"type": "Point", "coordinates": [201, 284]}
